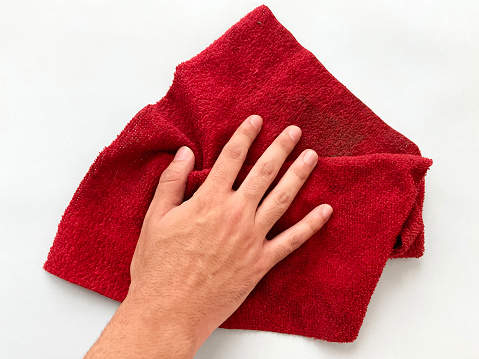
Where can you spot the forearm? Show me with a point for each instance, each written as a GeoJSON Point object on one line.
{"type": "Point", "coordinates": [140, 331]}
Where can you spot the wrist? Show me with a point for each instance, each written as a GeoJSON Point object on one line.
{"type": "Point", "coordinates": [162, 330]}
{"type": "Point", "coordinates": [177, 310]}
{"type": "Point", "coordinates": [138, 329]}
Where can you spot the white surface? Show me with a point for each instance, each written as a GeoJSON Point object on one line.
{"type": "Point", "coordinates": [73, 73]}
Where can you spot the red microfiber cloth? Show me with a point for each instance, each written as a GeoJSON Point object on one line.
{"type": "Point", "coordinates": [371, 175]}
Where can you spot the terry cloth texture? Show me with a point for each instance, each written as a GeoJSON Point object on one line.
{"type": "Point", "coordinates": [371, 175]}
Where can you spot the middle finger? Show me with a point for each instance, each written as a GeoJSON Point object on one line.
{"type": "Point", "coordinates": [268, 165]}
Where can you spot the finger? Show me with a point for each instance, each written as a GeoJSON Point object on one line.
{"type": "Point", "coordinates": [171, 187]}
{"type": "Point", "coordinates": [286, 242]}
{"type": "Point", "coordinates": [228, 164]}
{"type": "Point", "coordinates": [268, 165]}
{"type": "Point", "coordinates": [280, 198]}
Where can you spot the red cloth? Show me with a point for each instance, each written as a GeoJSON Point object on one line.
{"type": "Point", "coordinates": [371, 175]}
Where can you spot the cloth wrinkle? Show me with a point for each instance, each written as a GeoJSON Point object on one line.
{"type": "Point", "coordinates": [372, 176]}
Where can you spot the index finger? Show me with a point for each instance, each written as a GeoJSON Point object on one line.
{"type": "Point", "coordinates": [228, 164]}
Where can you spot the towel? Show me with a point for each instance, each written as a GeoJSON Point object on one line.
{"type": "Point", "coordinates": [369, 173]}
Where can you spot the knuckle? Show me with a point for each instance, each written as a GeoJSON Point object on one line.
{"type": "Point", "coordinates": [235, 152]}
{"type": "Point", "coordinates": [171, 174]}
{"type": "Point", "coordinates": [249, 191]}
{"type": "Point", "coordinates": [266, 169]}
{"type": "Point", "coordinates": [285, 144]}
{"type": "Point", "coordinates": [311, 227]}
{"type": "Point", "coordinates": [271, 215]}
{"type": "Point", "coordinates": [295, 241]}
{"type": "Point", "coordinates": [204, 201]}
{"type": "Point", "coordinates": [249, 131]}
{"type": "Point", "coordinates": [300, 173]}
{"type": "Point", "coordinates": [218, 176]}
{"type": "Point", "coordinates": [282, 252]}
{"type": "Point", "coordinates": [235, 216]}
{"type": "Point", "coordinates": [283, 198]}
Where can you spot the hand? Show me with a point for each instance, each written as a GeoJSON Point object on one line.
{"type": "Point", "coordinates": [197, 261]}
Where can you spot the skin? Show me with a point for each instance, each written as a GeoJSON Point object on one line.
{"type": "Point", "coordinates": [196, 261]}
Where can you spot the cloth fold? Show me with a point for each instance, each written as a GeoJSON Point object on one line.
{"type": "Point", "coordinates": [369, 173]}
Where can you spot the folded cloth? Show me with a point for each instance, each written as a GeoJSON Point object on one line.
{"type": "Point", "coordinates": [371, 175]}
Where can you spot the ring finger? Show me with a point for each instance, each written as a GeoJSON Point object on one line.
{"type": "Point", "coordinates": [280, 198]}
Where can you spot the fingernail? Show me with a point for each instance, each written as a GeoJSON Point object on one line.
{"type": "Point", "coordinates": [182, 154]}
{"type": "Point", "coordinates": [256, 121]}
{"type": "Point", "coordinates": [327, 211]}
{"type": "Point", "coordinates": [310, 158]}
{"type": "Point", "coordinates": [294, 133]}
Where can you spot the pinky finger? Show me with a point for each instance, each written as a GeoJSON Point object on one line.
{"type": "Point", "coordinates": [291, 239]}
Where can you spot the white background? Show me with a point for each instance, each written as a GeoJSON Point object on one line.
{"type": "Point", "coordinates": [73, 73]}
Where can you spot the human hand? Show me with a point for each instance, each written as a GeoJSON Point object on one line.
{"type": "Point", "coordinates": [196, 261]}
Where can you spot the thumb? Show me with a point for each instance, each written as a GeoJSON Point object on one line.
{"type": "Point", "coordinates": [171, 187]}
